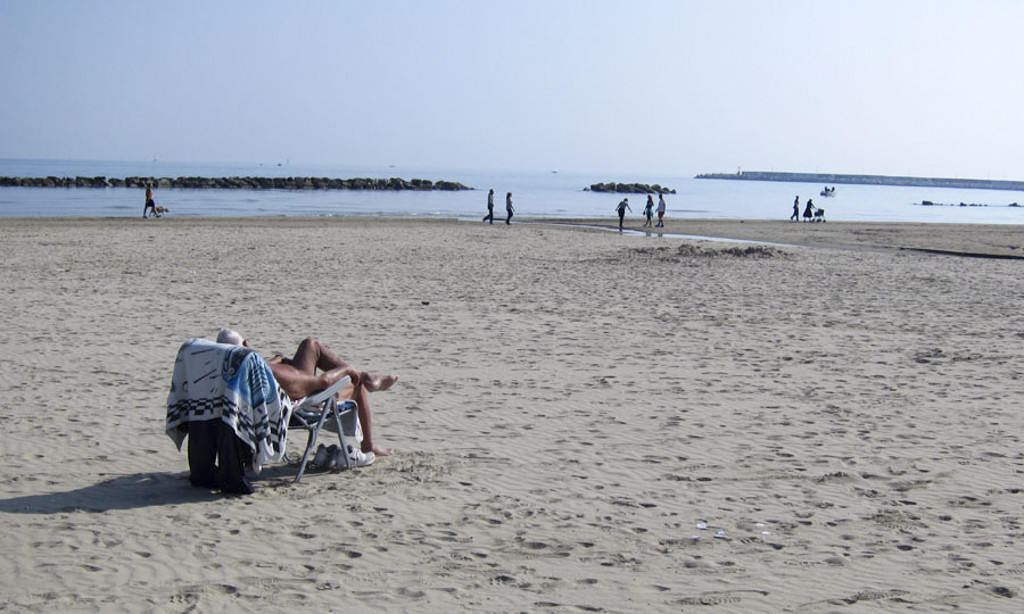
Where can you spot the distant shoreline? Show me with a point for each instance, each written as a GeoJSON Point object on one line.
{"type": "Point", "coordinates": [833, 178]}
{"type": "Point", "coordinates": [234, 183]}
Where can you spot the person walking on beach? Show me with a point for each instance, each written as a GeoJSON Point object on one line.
{"type": "Point", "coordinates": [796, 210]}
{"type": "Point", "coordinates": [621, 208]}
{"type": "Point", "coordinates": [661, 211]}
{"type": "Point", "coordinates": [508, 208]}
{"type": "Point", "coordinates": [490, 207]}
{"type": "Point", "coordinates": [809, 210]}
{"type": "Point", "coordinates": [150, 202]}
{"type": "Point", "coordinates": [649, 212]}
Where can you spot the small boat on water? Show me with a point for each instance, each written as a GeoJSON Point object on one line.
{"type": "Point", "coordinates": [828, 191]}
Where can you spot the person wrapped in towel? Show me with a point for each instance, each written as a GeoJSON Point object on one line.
{"type": "Point", "coordinates": [226, 399]}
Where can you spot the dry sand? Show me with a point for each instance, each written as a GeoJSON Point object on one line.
{"type": "Point", "coordinates": [573, 404]}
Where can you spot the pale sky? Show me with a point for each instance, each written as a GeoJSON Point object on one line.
{"type": "Point", "coordinates": [915, 87]}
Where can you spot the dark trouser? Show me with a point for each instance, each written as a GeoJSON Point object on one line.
{"type": "Point", "coordinates": [490, 215]}
{"type": "Point", "coordinates": [508, 220]}
{"type": "Point", "coordinates": [209, 440]}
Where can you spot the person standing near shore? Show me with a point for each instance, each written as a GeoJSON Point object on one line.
{"type": "Point", "coordinates": [621, 208]}
{"type": "Point", "coordinates": [150, 202]}
{"type": "Point", "coordinates": [796, 210]}
{"type": "Point", "coordinates": [508, 208]}
{"type": "Point", "coordinates": [490, 207]}
{"type": "Point", "coordinates": [661, 210]}
{"type": "Point", "coordinates": [649, 212]}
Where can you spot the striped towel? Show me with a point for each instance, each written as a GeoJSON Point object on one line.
{"type": "Point", "coordinates": [234, 384]}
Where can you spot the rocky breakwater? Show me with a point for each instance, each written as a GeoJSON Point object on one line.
{"type": "Point", "coordinates": [928, 203]}
{"type": "Point", "coordinates": [234, 183]}
{"type": "Point", "coordinates": [629, 188]}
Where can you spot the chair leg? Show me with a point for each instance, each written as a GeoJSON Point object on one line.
{"type": "Point", "coordinates": [313, 432]}
{"type": "Point", "coordinates": [305, 455]}
{"type": "Point", "coordinates": [341, 437]}
{"type": "Point", "coordinates": [329, 409]}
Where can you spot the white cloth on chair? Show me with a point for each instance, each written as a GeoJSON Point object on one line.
{"type": "Point", "coordinates": [234, 384]}
{"type": "Point", "coordinates": [350, 424]}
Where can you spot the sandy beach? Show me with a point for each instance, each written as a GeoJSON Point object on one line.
{"type": "Point", "coordinates": [585, 420]}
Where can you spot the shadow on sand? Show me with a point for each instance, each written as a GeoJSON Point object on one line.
{"type": "Point", "coordinates": [134, 491]}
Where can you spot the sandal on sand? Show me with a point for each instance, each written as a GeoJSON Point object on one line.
{"type": "Point", "coordinates": [333, 457]}
{"type": "Point", "coordinates": [320, 458]}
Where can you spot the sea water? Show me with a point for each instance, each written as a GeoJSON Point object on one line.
{"type": "Point", "coordinates": [545, 194]}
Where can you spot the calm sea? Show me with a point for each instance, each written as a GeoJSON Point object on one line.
{"type": "Point", "coordinates": [537, 194]}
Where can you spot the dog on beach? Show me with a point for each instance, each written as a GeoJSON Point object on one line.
{"type": "Point", "coordinates": [159, 211]}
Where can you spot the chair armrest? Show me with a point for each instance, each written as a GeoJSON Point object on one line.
{"type": "Point", "coordinates": [316, 399]}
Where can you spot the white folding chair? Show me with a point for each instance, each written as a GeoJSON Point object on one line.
{"type": "Point", "coordinates": [313, 411]}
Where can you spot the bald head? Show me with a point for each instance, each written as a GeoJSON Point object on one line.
{"type": "Point", "coordinates": [229, 336]}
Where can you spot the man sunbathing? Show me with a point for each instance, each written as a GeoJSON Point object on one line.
{"type": "Point", "coordinates": [298, 378]}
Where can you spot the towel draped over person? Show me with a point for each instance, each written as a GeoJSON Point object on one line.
{"type": "Point", "coordinates": [235, 385]}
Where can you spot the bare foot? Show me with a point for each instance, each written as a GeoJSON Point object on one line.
{"type": "Point", "coordinates": [379, 451]}
{"type": "Point", "coordinates": [378, 383]}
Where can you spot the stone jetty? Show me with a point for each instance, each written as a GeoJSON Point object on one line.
{"type": "Point", "coordinates": [831, 178]}
{"type": "Point", "coordinates": [234, 183]}
{"type": "Point", "coordinates": [629, 188]}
